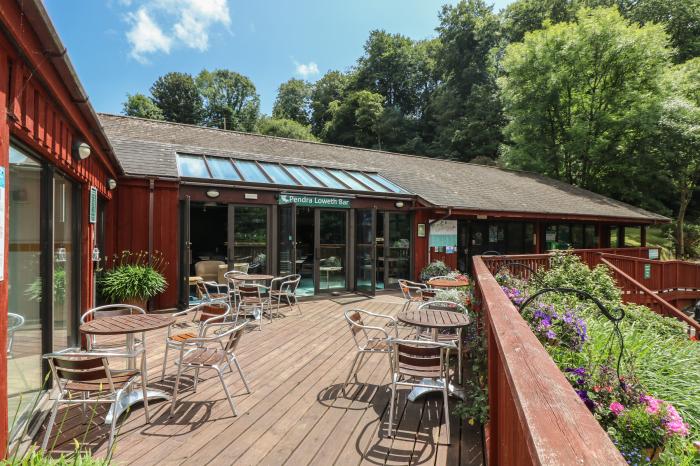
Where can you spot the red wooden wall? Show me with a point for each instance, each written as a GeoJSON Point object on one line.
{"type": "Point", "coordinates": [128, 224]}
{"type": "Point", "coordinates": [41, 113]}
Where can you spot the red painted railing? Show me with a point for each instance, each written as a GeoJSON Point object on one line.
{"type": "Point", "coordinates": [536, 417]}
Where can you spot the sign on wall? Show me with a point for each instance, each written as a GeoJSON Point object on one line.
{"type": "Point", "coordinates": [93, 204]}
{"type": "Point", "coordinates": [647, 271]}
{"type": "Point", "coordinates": [2, 223]}
{"type": "Point", "coordinates": [311, 200]}
{"type": "Point", "coordinates": [653, 254]}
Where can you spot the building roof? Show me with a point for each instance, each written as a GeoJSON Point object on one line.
{"type": "Point", "coordinates": [150, 148]}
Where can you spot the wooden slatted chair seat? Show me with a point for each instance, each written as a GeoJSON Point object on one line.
{"type": "Point", "coordinates": [206, 357]}
{"type": "Point", "coordinates": [377, 345]}
{"type": "Point", "coordinates": [182, 336]}
{"type": "Point", "coordinates": [119, 380]}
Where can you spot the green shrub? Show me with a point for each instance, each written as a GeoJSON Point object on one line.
{"type": "Point", "coordinates": [434, 269]}
{"type": "Point", "coordinates": [129, 282]}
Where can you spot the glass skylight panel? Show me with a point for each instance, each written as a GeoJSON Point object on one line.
{"type": "Point", "coordinates": [192, 166]}
{"type": "Point", "coordinates": [222, 169]}
{"type": "Point", "coordinates": [277, 173]}
{"type": "Point", "coordinates": [301, 174]}
{"type": "Point", "coordinates": [387, 183]}
{"type": "Point", "coordinates": [251, 172]}
{"type": "Point", "coordinates": [369, 182]}
{"type": "Point", "coordinates": [348, 180]}
{"type": "Point", "coordinates": [327, 179]}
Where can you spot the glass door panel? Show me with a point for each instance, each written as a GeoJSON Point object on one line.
{"type": "Point", "coordinates": [250, 237]}
{"type": "Point", "coordinates": [365, 250]}
{"type": "Point", "coordinates": [305, 250]}
{"type": "Point", "coordinates": [332, 247]}
{"type": "Point", "coordinates": [287, 241]}
{"type": "Point", "coordinates": [24, 331]}
{"type": "Point", "coordinates": [64, 257]}
{"type": "Point", "coordinates": [380, 264]}
{"type": "Point", "coordinates": [397, 257]}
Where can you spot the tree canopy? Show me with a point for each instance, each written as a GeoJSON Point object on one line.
{"type": "Point", "coordinates": [293, 101]}
{"type": "Point", "coordinates": [177, 96]}
{"type": "Point", "coordinates": [142, 106]}
{"type": "Point", "coordinates": [230, 100]}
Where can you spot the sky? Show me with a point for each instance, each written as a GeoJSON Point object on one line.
{"type": "Point", "coordinates": [123, 46]}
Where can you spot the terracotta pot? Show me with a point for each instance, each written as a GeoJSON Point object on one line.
{"type": "Point", "coordinates": [142, 303]}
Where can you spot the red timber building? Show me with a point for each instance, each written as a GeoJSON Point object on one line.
{"type": "Point", "coordinates": [55, 164]}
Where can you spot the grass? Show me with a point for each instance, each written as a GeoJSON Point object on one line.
{"type": "Point", "coordinates": [656, 238]}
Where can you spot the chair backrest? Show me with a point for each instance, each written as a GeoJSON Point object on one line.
{"type": "Point", "coordinates": [291, 283]}
{"type": "Point", "coordinates": [408, 288]}
{"type": "Point", "coordinates": [211, 310]}
{"type": "Point", "coordinates": [249, 290]}
{"type": "Point", "coordinates": [361, 331]}
{"type": "Point", "coordinates": [110, 310]}
{"type": "Point", "coordinates": [80, 367]}
{"type": "Point", "coordinates": [443, 306]}
{"type": "Point", "coordinates": [418, 356]}
{"type": "Point", "coordinates": [233, 339]}
{"type": "Point", "coordinates": [14, 321]}
{"type": "Point", "coordinates": [427, 295]}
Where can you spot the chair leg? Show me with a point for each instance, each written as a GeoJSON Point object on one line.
{"type": "Point", "coordinates": [228, 395]}
{"type": "Point", "coordinates": [446, 412]}
{"type": "Point", "coordinates": [144, 390]}
{"type": "Point", "coordinates": [359, 364]}
{"type": "Point", "coordinates": [165, 361]}
{"type": "Point", "coordinates": [113, 427]}
{"type": "Point", "coordinates": [49, 426]}
{"type": "Point", "coordinates": [177, 385]}
{"type": "Point", "coordinates": [392, 402]}
{"type": "Point", "coordinates": [196, 378]}
{"type": "Point", "coordinates": [460, 350]}
{"type": "Point", "coordinates": [352, 368]}
{"type": "Point", "coordinates": [240, 372]}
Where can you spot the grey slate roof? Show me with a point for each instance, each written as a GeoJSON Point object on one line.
{"type": "Point", "coordinates": [149, 148]}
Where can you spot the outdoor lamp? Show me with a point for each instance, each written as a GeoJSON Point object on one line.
{"type": "Point", "coordinates": [112, 184]}
{"type": "Point", "coordinates": [213, 193]}
{"type": "Point", "coordinates": [399, 204]}
{"type": "Point", "coordinates": [81, 150]}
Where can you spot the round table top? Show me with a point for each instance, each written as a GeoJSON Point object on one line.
{"type": "Point", "coordinates": [134, 323]}
{"type": "Point", "coordinates": [253, 277]}
{"type": "Point", "coordinates": [443, 283]}
{"type": "Point", "coordinates": [434, 318]}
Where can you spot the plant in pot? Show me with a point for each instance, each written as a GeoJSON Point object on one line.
{"type": "Point", "coordinates": [434, 269]}
{"type": "Point", "coordinates": [130, 278]}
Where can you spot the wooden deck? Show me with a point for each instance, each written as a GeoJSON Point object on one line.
{"type": "Point", "coordinates": [296, 413]}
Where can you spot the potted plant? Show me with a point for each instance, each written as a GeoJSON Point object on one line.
{"type": "Point", "coordinates": [434, 269]}
{"type": "Point", "coordinates": [133, 279]}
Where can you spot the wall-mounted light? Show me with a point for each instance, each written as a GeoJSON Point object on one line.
{"type": "Point", "coordinates": [81, 150]}
{"type": "Point", "coordinates": [213, 193]}
{"type": "Point", "coordinates": [112, 184]}
{"type": "Point", "coordinates": [399, 204]}
{"type": "Point", "coordinates": [61, 255]}
{"type": "Point", "coordinates": [96, 254]}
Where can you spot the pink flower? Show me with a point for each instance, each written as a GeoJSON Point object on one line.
{"type": "Point", "coordinates": [652, 404]}
{"type": "Point", "coordinates": [673, 422]}
{"type": "Point", "coordinates": [616, 407]}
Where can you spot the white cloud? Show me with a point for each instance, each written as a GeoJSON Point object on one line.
{"type": "Point", "coordinates": [307, 69]}
{"type": "Point", "coordinates": [145, 36]}
{"type": "Point", "coordinates": [188, 23]}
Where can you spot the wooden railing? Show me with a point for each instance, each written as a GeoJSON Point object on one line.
{"type": "Point", "coordinates": [536, 417]}
{"type": "Point", "coordinates": [592, 256]}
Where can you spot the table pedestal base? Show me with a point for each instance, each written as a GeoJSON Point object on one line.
{"type": "Point", "coordinates": [454, 390]}
{"type": "Point", "coordinates": [131, 399]}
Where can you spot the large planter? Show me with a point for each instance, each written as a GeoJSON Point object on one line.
{"type": "Point", "coordinates": [142, 303]}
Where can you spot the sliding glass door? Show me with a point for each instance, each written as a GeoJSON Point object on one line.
{"type": "Point", "coordinates": [365, 252]}
{"type": "Point", "coordinates": [64, 260]}
{"type": "Point", "coordinates": [331, 244]}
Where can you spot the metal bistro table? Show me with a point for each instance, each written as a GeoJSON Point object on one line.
{"type": "Point", "coordinates": [255, 277]}
{"type": "Point", "coordinates": [444, 283]}
{"type": "Point", "coordinates": [435, 320]}
{"type": "Point", "coordinates": [129, 325]}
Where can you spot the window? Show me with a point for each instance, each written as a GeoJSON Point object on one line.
{"type": "Point", "coordinates": [251, 172]}
{"type": "Point", "coordinates": [192, 166]}
{"type": "Point", "coordinates": [222, 169]}
{"type": "Point", "coordinates": [304, 177]}
{"type": "Point", "coordinates": [348, 180]}
{"type": "Point", "coordinates": [250, 237]}
{"type": "Point", "coordinates": [277, 173]}
{"type": "Point", "coordinates": [327, 179]}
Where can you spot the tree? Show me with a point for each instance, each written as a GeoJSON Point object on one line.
{"type": "Point", "coordinates": [354, 120]}
{"type": "Point", "coordinates": [178, 98]}
{"type": "Point", "coordinates": [524, 16]}
{"type": "Point", "coordinates": [580, 95]}
{"type": "Point", "coordinates": [464, 116]}
{"type": "Point", "coordinates": [139, 105]}
{"type": "Point", "coordinates": [285, 128]}
{"type": "Point", "coordinates": [293, 101]}
{"type": "Point", "coordinates": [679, 140]}
{"type": "Point", "coordinates": [230, 99]}
{"type": "Point", "coordinates": [330, 88]}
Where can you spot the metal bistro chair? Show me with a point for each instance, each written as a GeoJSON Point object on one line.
{"type": "Point", "coordinates": [14, 321]}
{"type": "Point", "coordinates": [202, 315]}
{"type": "Point", "coordinates": [412, 292]}
{"type": "Point", "coordinates": [211, 291]}
{"type": "Point", "coordinates": [369, 339]}
{"type": "Point", "coordinates": [252, 301]}
{"type": "Point", "coordinates": [411, 362]}
{"type": "Point", "coordinates": [285, 288]}
{"type": "Point", "coordinates": [196, 353]}
{"type": "Point", "coordinates": [453, 335]}
{"type": "Point", "coordinates": [90, 375]}
{"type": "Point", "coordinates": [110, 310]}
{"type": "Point", "coordinates": [231, 282]}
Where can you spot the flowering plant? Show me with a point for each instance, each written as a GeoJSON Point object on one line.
{"type": "Point", "coordinates": [514, 294]}
{"type": "Point", "coordinates": [565, 328]}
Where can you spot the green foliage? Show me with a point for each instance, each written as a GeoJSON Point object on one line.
{"type": "Point", "coordinates": [230, 100]}
{"type": "Point", "coordinates": [354, 120]}
{"type": "Point", "coordinates": [130, 282]}
{"type": "Point", "coordinates": [635, 428]}
{"type": "Point", "coordinates": [39, 458]}
{"type": "Point", "coordinates": [139, 105]}
{"type": "Point", "coordinates": [285, 128]}
{"type": "Point", "coordinates": [580, 94]}
{"type": "Point", "coordinates": [434, 269]}
{"type": "Point", "coordinates": [177, 96]}
{"type": "Point", "coordinates": [34, 290]}
{"type": "Point", "coordinates": [293, 102]}
{"type": "Point", "coordinates": [330, 88]}
{"type": "Point", "coordinates": [454, 295]}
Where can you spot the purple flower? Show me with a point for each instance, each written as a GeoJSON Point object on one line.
{"type": "Point", "coordinates": [551, 335]}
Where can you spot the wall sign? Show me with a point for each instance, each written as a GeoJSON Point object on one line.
{"type": "Point", "coordinates": [93, 205]}
{"type": "Point", "coordinates": [310, 200]}
{"type": "Point", "coordinates": [2, 223]}
{"type": "Point", "coordinates": [653, 254]}
{"type": "Point", "coordinates": [421, 230]}
{"type": "Point", "coordinates": [647, 271]}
